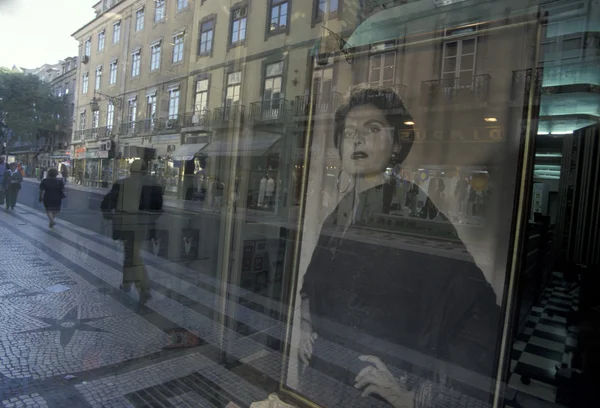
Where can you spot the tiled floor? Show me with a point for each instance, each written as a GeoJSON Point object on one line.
{"type": "Point", "coordinates": [546, 342]}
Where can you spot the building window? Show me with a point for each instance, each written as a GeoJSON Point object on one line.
{"type": "Point", "coordinates": [85, 83]}
{"type": "Point", "coordinates": [155, 51]}
{"type": "Point", "coordinates": [151, 110]}
{"type": "Point", "coordinates": [273, 78]}
{"type": "Point", "coordinates": [178, 48]}
{"type": "Point", "coordinates": [98, 78]}
{"type": "Point", "coordinates": [173, 103]}
{"type": "Point", "coordinates": [234, 87]}
{"type": "Point", "coordinates": [101, 38]}
{"type": "Point", "coordinates": [238, 24]}
{"type": "Point", "coordinates": [382, 69]}
{"type": "Point", "coordinates": [135, 63]}
{"type": "Point", "coordinates": [95, 119]}
{"type": "Point", "coordinates": [159, 10]}
{"type": "Point", "coordinates": [201, 97]}
{"type": "Point", "coordinates": [326, 9]}
{"type": "Point", "coordinates": [458, 63]}
{"type": "Point", "coordinates": [181, 4]}
{"type": "Point", "coordinates": [82, 119]}
{"type": "Point", "coordinates": [116, 32]}
{"type": "Point", "coordinates": [110, 115]}
{"type": "Point", "coordinates": [563, 38]}
{"type": "Point", "coordinates": [279, 15]}
{"type": "Point", "coordinates": [132, 113]}
{"type": "Point", "coordinates": [139, 19]}
{"type": "Point", "coordinates": [112, 79]}
{"type": "Point", "coordinates": [88, 47]}
{"type": "Point", "coordinates": [66, 88]}
{"type": "Point", "coordinates": [207, 30]}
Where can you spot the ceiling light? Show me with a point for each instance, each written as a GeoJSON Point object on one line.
{"type": "Point", "coordinates": [409, 123]}
{"type": "Point", "coordinates": [490, 119]}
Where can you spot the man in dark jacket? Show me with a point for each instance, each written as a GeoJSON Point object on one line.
{"type": "Point", "coordinates": [134, 204]}
{"type": "Point", "coordinates": [11, 181]}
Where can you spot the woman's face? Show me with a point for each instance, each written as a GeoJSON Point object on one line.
{"type": "Point", "coordinates": [367, 141]}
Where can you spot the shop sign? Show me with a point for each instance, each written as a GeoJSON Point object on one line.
{"type": "Point", "coordinates": [80, 152]}
{"type": "Point", "coordinates": [478, 134]}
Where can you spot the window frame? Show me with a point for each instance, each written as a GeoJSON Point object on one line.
{"type": "Point", "coordinates": [110, 115]}
{"type": "Point", "coordinates": [82, 120]}
{"type": "Point", "coordinates": [182, 5]}
{"type": "Point", "coordinates": [136, 63]}
{"type": "Point", "coordinates": [112, 64]}
{"type": "Point", "coordinates": [116, 32]}
{"type": "Point", "coordinates": [178, 45]}
{"type": "Point", "coordinates": [140, 19]}
{"type": "Point", "coordinates": [163, 11]}
{"type": "Point", "coordinates": [172, 91]}
{"type": "Point", "coordinates": [95, 119]}
{"type": "Point", "coordinates": [87, 47]}
{"type": "Point", "coordinates": [381, 54]}
{"type": "Point", "coordinates": [98, 78]}
{"type": "Point", "coordinates": [201, 31]}
{"type": "Point", "coordinates": [155, 46]}
{"type": "Point", "coordinates": [101, 40]}
{"type": "Point", "coordinates": [281, 29]}
{"type": "Point", "coordinates": [329, 15]}
{"type": "Point", "coordinates": [228, 85]}
{"type": "Point", "coordinates": [196, 93]}
{"type": "Point", "coordinates": [85, 83]}
{"type": "Point", "coordinates": [232, 21]}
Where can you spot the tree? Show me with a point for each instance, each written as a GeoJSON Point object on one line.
{"type": "Point", "coordinates": [27, 106]}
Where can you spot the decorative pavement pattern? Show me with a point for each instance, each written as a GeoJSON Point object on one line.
{"type": "Point", "coordinates": [69, 337]}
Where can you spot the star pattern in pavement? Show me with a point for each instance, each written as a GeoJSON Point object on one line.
{"type": "Point", "coordinates": [67, 326]}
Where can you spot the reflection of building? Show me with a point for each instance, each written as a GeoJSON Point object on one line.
{"type": "Point", "coordinates": [130, 92]}
{"type": "Point", "coordinates": [64, 86]}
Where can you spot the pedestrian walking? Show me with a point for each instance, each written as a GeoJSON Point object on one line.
{"type": "Point", "coordinates": [51, 194]}
{"type": "Point", "coordinates": [133, 205]}
{"type": "Point", "coordinates": [11, 181]}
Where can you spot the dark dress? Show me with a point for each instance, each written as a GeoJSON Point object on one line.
{"type": "Point", "coordinates": [382, 300]}
{"type": "Point", "coordinates": [53, 189]}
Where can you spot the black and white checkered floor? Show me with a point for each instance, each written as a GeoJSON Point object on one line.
{"type": "Point", "coordinates": [546, 342]}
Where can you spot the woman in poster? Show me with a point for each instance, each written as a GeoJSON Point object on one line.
{"type": "Point", "coordinates": [373, 302]}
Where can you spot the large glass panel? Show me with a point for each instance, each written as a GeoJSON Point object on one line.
{"type": "Point", "coordinates": [322, 203]}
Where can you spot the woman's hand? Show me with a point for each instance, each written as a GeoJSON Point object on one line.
{"type": "Point", "coordinates": [305, 350]}
{"type": "Point", "coordinates": [378, 380]}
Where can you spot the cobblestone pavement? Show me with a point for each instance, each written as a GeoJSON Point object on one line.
{"type": "Point", "coordinates": [70, 338]}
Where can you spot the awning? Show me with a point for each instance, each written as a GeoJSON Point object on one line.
{"type": "Point", "coordinates": [251, 144]}
{"type": "Point", "coordinates": [187, 151]}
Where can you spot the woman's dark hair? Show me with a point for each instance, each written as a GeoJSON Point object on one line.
{"type": "Point", "coordinates": [389, 102]}
{"type": "Point", "coordinates": [52, 173]}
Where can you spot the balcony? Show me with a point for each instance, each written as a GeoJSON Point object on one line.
{"type": "Point", "coordinates": [273, 110]}
{"type": "Point", "coordinates": [227, 116]}
{"type": "Point", "coordinates": [196, 120]}
{"type": "Point", "coordinates": [130, 129]}
{"type": "Point", "coordinates": [169, 124]}
{"type": "Point", "coordinates": [91, 134]}
{"type": "Point", "coordinates": [471, 90]}
{"type": "Point", "coordinates": [322, 104]}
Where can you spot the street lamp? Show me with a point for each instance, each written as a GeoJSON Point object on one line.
{"type": "Point", "coordinates": [95, 106]}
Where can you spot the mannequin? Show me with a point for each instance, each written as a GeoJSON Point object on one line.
{"type": "Point", "coordinates": [261, 191]}
{"type": "Point", "coordinates": [270, 189]}
{"type": "Point", "coordinates": [187, 244]}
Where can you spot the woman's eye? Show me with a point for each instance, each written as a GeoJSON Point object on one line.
{"type": "Point", "coordinates": [374, 129]}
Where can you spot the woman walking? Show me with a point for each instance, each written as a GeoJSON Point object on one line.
{"type": "Point", "coordinates": [51, 194]}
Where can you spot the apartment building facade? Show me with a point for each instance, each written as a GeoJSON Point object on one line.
{"type": "Point", "coordinates": [129, 88]}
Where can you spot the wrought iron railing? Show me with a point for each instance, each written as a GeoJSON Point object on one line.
{"type": "Point", "coordinates": [226, 115]}
{"type": "Point", "coordinates": [272, 109]}
{"type": "Point", "coordinates": [196, 119]}
{"type": "Point", "coordinates": [322, 103]}
{"type": "Point", "coordinates": [461, 90]}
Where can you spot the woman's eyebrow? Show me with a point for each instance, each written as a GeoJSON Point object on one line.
{"type": "Point", "coordinates": [374, 121]}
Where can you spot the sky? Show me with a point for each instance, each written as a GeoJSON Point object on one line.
{"type": "Point", "coordinates": [36, 32]}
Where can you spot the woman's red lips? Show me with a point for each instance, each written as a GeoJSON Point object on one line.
{"type": "Point", "coordinates": [359, 155]}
